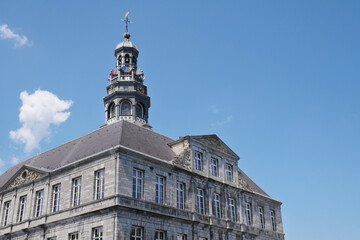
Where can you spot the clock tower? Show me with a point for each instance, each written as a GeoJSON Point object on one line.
{"type": "Point", "coordinates": [127, 97]}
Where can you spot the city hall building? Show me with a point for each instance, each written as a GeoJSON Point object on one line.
{"type": "Point", "coordinates": [125, 181]}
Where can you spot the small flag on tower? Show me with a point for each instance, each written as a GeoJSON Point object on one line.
{"type": "Point", "coordinates": [138, 72]}
{"type": "Point", "coordinates": [112, 72]}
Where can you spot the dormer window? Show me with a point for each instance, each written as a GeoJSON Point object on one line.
{"type": "Point", "coordinates": [125, 108]}
{"type": "Point", "coordinates": [229, 172]}
{"type": "Point", "coordinates": [214, 167]}
{"type": "Point", "coordinates": [198, 161]}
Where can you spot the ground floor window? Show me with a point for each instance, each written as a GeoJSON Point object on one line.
{"type": "Point", "coordinates": [160, 235]}
{"type": "Point", "coordinates": [137, 233]}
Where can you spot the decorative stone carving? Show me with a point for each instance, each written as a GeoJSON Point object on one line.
{"type": "Point", "coordinates": [184, 158]}
{"type": "Point", "coordinates": [217, 144]}
{"type": "Point", "coordinates": [24, 177]}
{"type": "Point", "coordinates": [242, 183]}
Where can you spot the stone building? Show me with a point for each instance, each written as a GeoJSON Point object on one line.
{"type": "Point", "coordinates": [126, 181]}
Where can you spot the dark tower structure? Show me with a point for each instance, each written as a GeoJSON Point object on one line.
{"type": "Point", "coordinates": [127, 97]}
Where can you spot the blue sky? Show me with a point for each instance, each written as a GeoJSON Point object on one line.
{"type": "Point", "coordinates": [278, 81]}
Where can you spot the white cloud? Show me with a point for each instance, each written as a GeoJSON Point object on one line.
{"type": "Point", "coordinates": [14, 160]}
{"type": "Point", "coordinates": [38, 111]}
{"type": "Point", "coordinates": [7, 33]}
{"type": "Point", "coordinates": [223, 122]}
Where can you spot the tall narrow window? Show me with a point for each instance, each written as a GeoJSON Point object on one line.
{"type": "Point", "coordinates": [273, 220]}
{"type": "Point", "coordinates": [232, 210]}
{"type": "Point", "coordinates": [180, 195]}
{"type": "Point", "coordinates": [198, 161]}
{"type": "Point", "coordinates": [125, 108]}
{"type": "Point", "coordinates": [56, 197]}
{"type": "Point", "coordinates": [21, 210]}
{"type": "Point", "coordinates": [39, 196]}
{"type": "Point", "coordinates": [112, 111]}
{"type": "Point", "coordinates": [217, 211]}
{"type": "Point", "coordinates": [214, 167]}
{"type": "Point", "coordinates": [229, 172]}
{"type": "Point", "coordinates": [99, 184]}
{"type": "Point", "coordinates": [6, 213]}
{"type": "Point", "coordinates": [137, 233]}
{"type": "Point", "coordinates": [160, 235]}
{"type": "Point", "coordinates": [248, 213]}
{"type": "Point", "coordinates": [76, 191]}
{"type": "Point", "coordinates": [74, 236]}
{"type": "Point", "coordinates": [97, 233]}
{"type": "Point", "coordinates": [137, 183]}
{"type": "Point", "coordinates": [139, 110]}
{"type": "Point", "coordinates": [160, 190]}
{"type": "Point", "coordinates": [200, 201]}
{"type": "Point", "coordinates": [261, 217]}
{"type": "Point", "coordinates": [181, 237]}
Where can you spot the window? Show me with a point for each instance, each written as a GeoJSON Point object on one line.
{"type": "Point", "coordinates": [127, 59]}
{"type": "Point", "coordinates": [160, 190]}
{"type": "Point", "coordinates": [74, 236]}
{"type": "Point", "coordinates": [229, 172]}
{"type": "Point", "coordinates": [181, 237]}
{"type": "Point", "coordinates": [180, 195]}
{"type": "Point", "coordinates": [261, 217]}
{"type": "Point", "coordinates": [21, 210]}
{"type": "Point", "coordinates": [214, 167]}
{"type": "Point", "coordinates": [232, 210]}
{"type": "Point", "coordinates": [273, 221]}
{"type": "Point", "coordinates": [137, 233]}
{"type": "Point", "coordinates": [217, 210]}
{"type": "Point", "coordinates": [137, 183]}
{"type": "Point", "coordinates": [248, 213]}
{"type": "Point", "coordinates": [97, 233]}
{"type": "Point", "coordinates": [202, 238]}
{"type": "Point", "coordinates": [112, 111]}
{"type": "Point", "coordinates": [52, 238]}
{"type": "Point", "coordinates": [56, 197]}
{"type": "Point", "coordinates": [6, 213]}
{"type": "Point", "coordinates": [39, 196]}
{"type": "Point", "coordinates": [125, 108]}
{"type": "Point", "coordinates": [160, 235]}
{"type": "Point", "coordinates": [76, 191]}
{"type": "Point", "coordinates": [198, 161]}
{"type": "Point", "coordinates": [99, 184]}
{"type": "Point", "coordinates": [139, 111]}
{"type": "Point", "coordinates": [200, 201]}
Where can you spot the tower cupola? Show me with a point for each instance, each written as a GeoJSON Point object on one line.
{"type": "Point", "coordinates": [127, 97]}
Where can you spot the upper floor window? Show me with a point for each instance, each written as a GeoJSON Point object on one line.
{"type": "Point", "coordinates": [112, 111]}
{"type": "Point", "coordinates": [120, 60]}
{"type": "Point", "coordinates": [97, 233]}
{"type": "Point", "coordinates": [181, 237]}
{"type": "Point", "coordinates": [74, 236]}
{"type": "Point", "coordinates": [180, 195]}
{"type": "Point", "coordinates": [125, 108]}
{"type": "Point", "coordinates": [139, 110]}
{"type": "Point", "coordinates": [248, 213]}
{"type": "Point", "coordinates": [214, 167]}
{"type": "Point", "coordinates": [217, 209]}
{"type": "Point", "coordinates": [6, 213]}
{"type": "Point", "coordinates": [160, 190]}
{"type": "Point", "coordinates": [198, 161]}
{"type": "Point", "coordinates": [160, 235]}
{"type": "Point", "coordinates": [200, 201]}
{"type": "Point", "coordinates": [99, 184]}
{"type": "Point", "coordinates": [232, 210]}
{"type": "Point", "coordinates": [76, 191]}
{"type": "Point", "coordinates": [273, 220]}
{"type": "Point", "coordinates": [261, 217]}
{"type": "Point", "coordinates": [229, 172]}
{"type": "Point", "coordinates": [127, 59]}
{"type": "Point", "coordinates": [39, 196]}
{"type": "Point", "coordinates": [137, 233]}
{"type": "Point", "coordinates": [137, 183]}
{"type": "Point", "coordinates": [21, 210]}
{"type": "Point", "coordinates": [56, 197]}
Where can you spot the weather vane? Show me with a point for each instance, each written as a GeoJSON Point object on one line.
{"type": "Point", "coordinates": [126, 20]}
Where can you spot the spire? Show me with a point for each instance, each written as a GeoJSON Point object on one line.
{"type": "Point", "coordinates": [126, 21]}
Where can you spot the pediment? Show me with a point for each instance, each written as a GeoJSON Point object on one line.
{"type": "Point", "coordinates": [23, 176]}
{"type": "Point", "coordinates": [215, 143]}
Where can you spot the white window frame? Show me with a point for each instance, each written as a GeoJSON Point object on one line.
{"type": "Point", "coordinates": [200, 203]}
{"type": "Point", "coordinates": [199, 163]}
{"type": "Point", "coordinates": [56, 191]}
{"type": "Point", "coordinates": [137, 233]}
{"type": "Point", "coordinates": [248, 213]}
{"type": "Point", "coordinates": [6, 213]}
{"type": "Point", "coordinates": [99, 184]}
{"type": "Point", "coordinates": [160, 189]}
{"type": "Point", "coordinates": [214, 166]}
{"type": "Point", "coordinates": [229, 172]}
{"type": "Point", "coordinates": [22, 208]}
{"type": "Point", "coordinates": [232, 210]}
{"type": "Point", "coordinates": [261, 217]}
{"type": "Point", "coordinates": [273, 220]}
{"type": "Point", "coordinates": [180, 195]}
{"type": "Point", "coordinates": [160, 235]}
{"type": "Point", "coordinates": [74, 236]}
{"type": "Point", "coordinates": [138, 181]}
{"type": "Point", "coordinates": [181, 236]}
{"type": "Point", "coordinates": [97, 233]}
{"type": "Point", "coordinates": [217, 205]}
{"type": "Point", "coordinates": [76, 191]}
{"type": "Point", "coordinates": [39, 199]}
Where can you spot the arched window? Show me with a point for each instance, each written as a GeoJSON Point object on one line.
{"type": "Point", "coordinates": [120, 60]}
{"type": "Point", "coordinates": [127, 59]}
{"type": "Point", "coordinates": [125, 108]}
{"type": "Point", "coordinates": [111, 111]}
{"type": "Point", "coordinates": [139, 111]}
